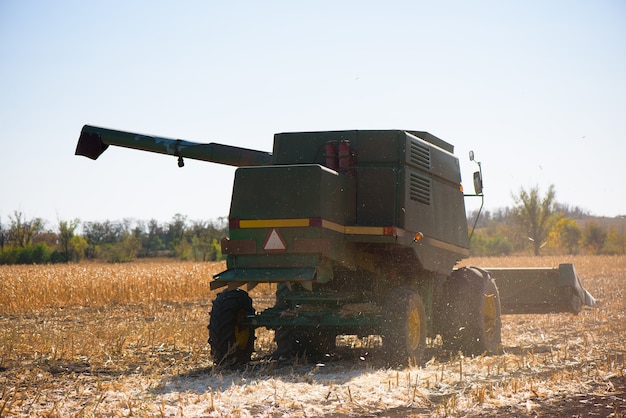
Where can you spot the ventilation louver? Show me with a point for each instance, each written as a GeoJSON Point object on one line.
{"type": "Point", "coordinates": [420, 188]}
{"type": "Point", "coordinates": [420, 155]}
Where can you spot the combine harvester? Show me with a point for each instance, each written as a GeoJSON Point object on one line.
{"type": "Point", "coordinates": [361, 231]}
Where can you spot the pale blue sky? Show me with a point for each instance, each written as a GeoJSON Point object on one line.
{"type": "Point", "coordinates": [536, 88]}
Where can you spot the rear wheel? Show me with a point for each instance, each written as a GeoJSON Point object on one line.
{"type": "Point", "coordinates": [404, 326]}
{"type": "Point", "coordinates": [469, 316]}
{"type": "Point", "coordinates": [231, 340]}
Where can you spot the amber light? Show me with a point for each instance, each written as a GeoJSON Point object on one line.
{"type": "Point", "coordinates": [389, 230]}
{"type": "Point", "coordinates": [461, 188]}
{"type": "Point", "coordinates": [418, 237]}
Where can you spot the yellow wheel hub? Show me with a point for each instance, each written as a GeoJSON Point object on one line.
{"type": "Point", "coordinates": [490, 316]}
{"type": "Point", "coordinates": [242, 332]}
{"type": "Point", "coordinates": [414, 329]}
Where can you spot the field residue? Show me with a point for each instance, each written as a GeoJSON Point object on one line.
{"type": "Point", "coordinates": [122, 340]}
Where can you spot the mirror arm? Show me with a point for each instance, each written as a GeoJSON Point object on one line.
{"type": "Point", "coordinates": [482, 202]}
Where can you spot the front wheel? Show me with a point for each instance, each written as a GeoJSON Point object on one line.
{"type": "Point", "coordinates": [469, 319]}
{"type": "Point", "coordinates": [231, 339]}
{"type": "Point", "coordinates": [404, 326]}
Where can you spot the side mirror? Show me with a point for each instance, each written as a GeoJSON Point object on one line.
{"type": "Point", "coordinates": [478, 183]}
{"type": "Point", "coordinates": [478, 176]}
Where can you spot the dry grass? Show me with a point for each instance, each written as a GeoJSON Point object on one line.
{"type": "Point", "coordinates": [122, 340]}
{"type": "Point", "coordinates": [33, 288]}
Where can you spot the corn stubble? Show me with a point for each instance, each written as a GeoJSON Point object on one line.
{"type": "Point", "coordinates": [130, 339]}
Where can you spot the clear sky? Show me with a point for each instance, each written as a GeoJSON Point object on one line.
{"type": "Point", "coordinates": [536, 88]}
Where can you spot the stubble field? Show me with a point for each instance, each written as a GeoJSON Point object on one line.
{"type": "Point", "coordinates": [130, 340]}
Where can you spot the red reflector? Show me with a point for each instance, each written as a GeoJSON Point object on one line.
{"type": "Point", "coordinates": [233, 224]}
{"type": "Point", "coordinates": [315, 222]}
{"type": "Point", "coordinates": [389, 230]}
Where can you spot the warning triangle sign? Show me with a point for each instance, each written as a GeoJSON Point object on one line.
{"type": "Point", "coordinates": [274, 242]}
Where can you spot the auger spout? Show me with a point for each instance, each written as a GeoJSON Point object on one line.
{"type": "Point", "coordinates": [94, 141]}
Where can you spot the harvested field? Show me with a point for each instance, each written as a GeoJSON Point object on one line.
{"type": "Point", "coordinates": [130, 340]}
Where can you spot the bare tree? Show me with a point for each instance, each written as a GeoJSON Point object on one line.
{"type": "Point", "coordinates": [22, 231]}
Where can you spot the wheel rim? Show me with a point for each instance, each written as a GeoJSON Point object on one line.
{"type": "Point", "coordinates": [490, 316]}
{"type": "Point", "coordinates": [414, 330]}
{"type": "Point", "coordinates": [242, 332]}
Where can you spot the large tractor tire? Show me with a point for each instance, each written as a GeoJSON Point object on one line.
{"type": "Point", "coordinates": [469, 313]}
{"type": "Point", "coordinates": [404, 327]}
{"type": "Point", "coordinates": [231, 340]}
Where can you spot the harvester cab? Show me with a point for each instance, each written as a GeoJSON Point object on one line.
{"type": "Point", "coordinates": [361, 232]}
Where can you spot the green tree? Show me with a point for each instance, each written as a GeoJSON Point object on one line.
{"type": "Point", "coordinates": [567, 235]}
{"type": "Point", "coordinates": [101, 236]}
{"type": "Point", "coordinates": [594, 237]}
{"type": "Point", "coordinates": [535, 215]}
{"type": "Point", "coordinates": [175, 231]}
{"type": "Point", "coordinates": [66, 239]}
{"type": "Point", "coordinates": [200, 241]}
{"type": "Point", "coordinates": [484, 244]}
{"type": "Point", "coordinates": [78, 247]}
{"type": "Point", "coordinates": [122, 251]}
{"type": "Point", "coordinates": [151, 240]}
{"type": "Point", "coordinates": [615, 242]}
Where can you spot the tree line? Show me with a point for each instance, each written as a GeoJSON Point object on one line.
{"type": "Point", "coordinates": [28, 241]}
{"type": "Point", "coordinates": [537, 223]}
